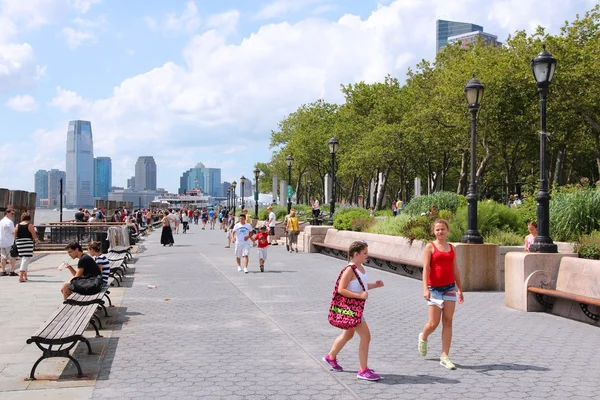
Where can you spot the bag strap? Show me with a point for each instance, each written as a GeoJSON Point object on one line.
{"type": "Point", "coordinates": [337, 283]}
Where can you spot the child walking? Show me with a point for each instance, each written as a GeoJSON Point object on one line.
{"type": "Point", "coordinates": [349, 286]}
{"type": "Point", "coordinates": [263, 242]}
{"type": "Point", "coordinates": [442, 287]}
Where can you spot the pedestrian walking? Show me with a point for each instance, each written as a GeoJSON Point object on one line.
{"type": "Point", "coordinates": [262, 238]}
{"type": "Point", "coordinates": [442, 288]}
{"type": "Point", "coordinates": [272, 222]}
{"type": "Point", "coordinates": [242, 235]}
{"type": "Point", "coordinates": [24, 235]}
{"type": "Point", "coordinates": [7, 239]}
{"type": "Point", "coordinates": [353, 283]}
{"type": "Point", "coordinates": [166, 236]}
{"type": "Point", "coordinates": [293, 231]}
{"type": "Point", "coordinates": [185, 220]}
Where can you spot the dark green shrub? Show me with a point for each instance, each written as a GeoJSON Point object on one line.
{"type": "Point", "coordinates": [418, 228]}
{"type": "Point", "coordinates": [588, 246]}
{"type": "Point", "coordinates": [344, 217]}
{"type": "Point", "coordinates": [442, 200]}
{"type": "Point", "coordinates": [504, 238]}
{"type": "Point", "coordinates": [491, 217]}
{"type": "Point", "coordinates": [390, 226]}
{"type": "Point", "coordinates": [574, 213]}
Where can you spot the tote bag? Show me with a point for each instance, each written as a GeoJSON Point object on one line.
{"type": "Point", "coordinates": [346, 312]}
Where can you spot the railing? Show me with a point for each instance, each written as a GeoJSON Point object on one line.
{"type": "Point", "coordinates": [80, 232]}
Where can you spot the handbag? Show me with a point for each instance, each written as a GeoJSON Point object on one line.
{"type": "Point", "coordinates": [346, 312]}
{"type": "Point", "coordinates": [14, 251]}
{"type": "Point", "coordinates": [87, 286]}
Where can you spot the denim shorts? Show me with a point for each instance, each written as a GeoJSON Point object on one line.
{"type": "Point", "coordinates": [439, 294]}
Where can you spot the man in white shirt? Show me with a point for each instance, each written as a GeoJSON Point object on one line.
{"type": "Point", "coordinates": [242, 234]}
{"type": "Point", "coordinates": [7, 229]}
{"type": "Point", "coordinates": [271, 223]}
{"type": "Point", "coordinates": [173, 221]}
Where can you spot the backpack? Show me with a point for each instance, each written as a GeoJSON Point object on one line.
{"type": "Point", "coordinates": [87, 286]}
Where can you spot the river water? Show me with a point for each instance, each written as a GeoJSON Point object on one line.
{"type": "Point", "coordinates": [46, 215]}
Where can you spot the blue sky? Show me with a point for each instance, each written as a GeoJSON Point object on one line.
{"type": "Point", "coordinates": [205, 81]}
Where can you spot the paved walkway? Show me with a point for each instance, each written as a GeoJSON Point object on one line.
{"type": "Point", "coordinates": [210, 332]}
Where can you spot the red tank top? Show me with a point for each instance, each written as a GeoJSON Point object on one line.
{"type": "Point", "coordinates": [441, 271]}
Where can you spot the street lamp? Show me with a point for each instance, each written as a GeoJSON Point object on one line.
{"type": "Point", "coordinates": [473, 93]}
{"type": "Point", "coordinates": [289, 160]}
{"type": "Point", "coordinates": [333, 147]}
{"type": "Point", "coordinates": [256, 175]}
{"type": "Point", "coordinates": [543, 67]}
{"type": "Point", "coordinates": [228, 198]}
{"type": "Point", "coordinates": [233, 185]}
{"type": "Point", "coordinates": [243, 181]}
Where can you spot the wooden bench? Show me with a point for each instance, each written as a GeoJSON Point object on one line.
{"type": "Point", "coordinates": [577, 282]}
{"type": "Point", "coordinates": [121, 250]}
{"type": "Point", "coordinates": [76, 299]}
{"type": "Point", "coordinates": [378, 259]}
{"type": "Point", "coordinates": [61, 332]}
{"type": "Point", "coordinates": [117, 270]}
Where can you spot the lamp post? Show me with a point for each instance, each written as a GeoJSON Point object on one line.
{"type": "Point", "coordinates": [60, 201]}
{"type": "Point", "coordinates": [242, 181]}
{"type": "Point", "coordinates": [473, 93]}
{"type": "Point", "coordinates": [309, 192]}
{"type": "Point", "coordinates": [233, 185]}
{"type": "Point", "coordinates": [543, 67]}
{"type": "Point", "coordinates": [333, 147]}
{"type": "Point", "coordinates": [228, 197]}
{"type": "Point", "coordinates": [256, 175]}
{"type": "Point", "coordinates": [289, 160]}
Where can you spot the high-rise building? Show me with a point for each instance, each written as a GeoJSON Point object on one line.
{"type": "Point", "coordinates": [131, 183]}
{"type": "Point", "coordinates": [445, 29]}
{"type": "Point", "coordinates": [41, 185]}
{"type": "Point", "coordinates": [102, 177]}
{"type": "Point", "coordinates": [145, 173]}
{"type": "Point", "coordinates": [467, 39]}
{"type": "Point", "coordinates": [200, 177]}
{"type": "Point", "coordinates": [54, 177]}
{"type": "Point", "coordinates": [80, 164]}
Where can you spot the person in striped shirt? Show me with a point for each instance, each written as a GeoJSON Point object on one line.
{"type": "Point", "coordinates": [95, 250]}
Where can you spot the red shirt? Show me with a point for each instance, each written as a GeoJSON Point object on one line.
{"type": "Point", "coordinates": [441, 272]}
{"type": "Point", "coordinates": [263, 239]}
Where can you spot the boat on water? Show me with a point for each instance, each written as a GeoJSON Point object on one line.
{"type": "Point", "coordinates": [194, 199]}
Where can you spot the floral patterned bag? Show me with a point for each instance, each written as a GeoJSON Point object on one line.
{"type": "Point", "coordinates": [346, 312]}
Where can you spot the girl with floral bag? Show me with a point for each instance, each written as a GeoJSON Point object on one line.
{"type": "Point", "coordinates": [345, 312]}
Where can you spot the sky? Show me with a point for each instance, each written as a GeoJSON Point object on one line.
{"type": "Point", "coordinates": [206, 81]}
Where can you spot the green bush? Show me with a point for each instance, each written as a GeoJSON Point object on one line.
{"type": "Point", "coordinates": [302, 212]}
{"type": "Point", "coordinates": [504, 238]}
{"type": "Point", "coordinates": [588, 246]}
{"type": "Point", "coordinates": [391, 225]}
{"type": "Point", "coordinates": [418, 228]}
{"type": "Point", "coordinates": [491, 217]}
{"type": "Point", "coordinates": [574, 213]}
{"type": "Point", "coordinates": [362, 224]}
{"type": "Point", "coordinates": [344, 217]}
{"type": "Point", "coordinates": [442, 200]}
{"type": "Point", "coordinates": [386, 212]}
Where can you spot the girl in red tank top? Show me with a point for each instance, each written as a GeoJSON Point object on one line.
{"type": "Point", "coordinates": [442, 288]}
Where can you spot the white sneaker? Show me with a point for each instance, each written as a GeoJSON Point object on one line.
{"type": "Point", "coordinates": [239, 268]}
{"type": "Point", "coordinates": [245, 270]}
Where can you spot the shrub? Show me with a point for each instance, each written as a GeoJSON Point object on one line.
{"type": "Point", "coordinates": [491, 217]}
{"type": "Point", "coordinates": [574, 213]}
{"type": "Point", "coordinates": [418, 228]}
{"type": "Point", "coordinates": [588, 246]}
{"type": "Point", "coordinates": [442, 200]}
{"type": "Point", "coordinates": [386, 212]}
{"type": "Point", "coordinates": [504, 238]}
{"type": "Point", "coordinates": [302, 212]}
{"type": "Point", "coordinates": [390, 226]}
{"type": "Point", "coordinates": [362, 224]}
{"type": "Point", "coordinates": [344, 217]}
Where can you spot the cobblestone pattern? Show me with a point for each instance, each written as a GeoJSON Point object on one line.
{"type": "Point", "coordinates": [228, 335]}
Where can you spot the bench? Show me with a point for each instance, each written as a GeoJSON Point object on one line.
{"type": "Point", "coordinates": [117, 270]}
{"type": "Point", "coordinates": [577, 282]}
{"type": "Point", "coordinates": [61, 332]}
{"type": "Point", "coordinates": [378, 259]}
{"type": "Point", "coordinates": [121, 250]}
{"type": "Point", "coordinates": [76, 299]}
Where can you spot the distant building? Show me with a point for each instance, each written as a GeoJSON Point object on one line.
{"type": "Point", "coordinates": [141, 198]}
{"type": "Point", "coordinates": [41, 185]}
{"type": "Point", "coordinates": [200, 177]}
{"type": "Point", "coordinates": [102, 177]}
{"type": "Point", "coordinates": [131, 183]}
{"type": "Point", "coordinates": [80, 164]}
{"type": "Point", "coordinates": [467, 39]}
{"type": "Point", "coordinates": [54, 177]}
{"type": "Point", "coordinates": [145, 173]}
{"type": "Point", "coordinates": [445, 29]}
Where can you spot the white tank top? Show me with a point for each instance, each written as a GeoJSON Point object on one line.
{"type": "Point", "coordinates": [354, 285]}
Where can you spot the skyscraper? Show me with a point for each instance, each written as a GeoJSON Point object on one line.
{"type": "Point", "coordinates": [131, 183]}
{"type": "Point", "coordinates": [145, 173]}
{"type": "Point", "coordinates": [54, 177]}
{"type": "Point", "coordinates": [102, 177]}
{"type": "Point", "coordinates": [445, 29]}
{"type": "Point", "coordinates": [200, 177]}
{"type": "Point", "coordinates": [41, 185]}
{"type": "Point", "coordinates": [80, 164]}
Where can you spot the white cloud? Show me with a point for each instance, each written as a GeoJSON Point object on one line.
{"type": "Point", "coordinates": [17, 67]}
{"type": "Point", "coordinates": [83, 6]}
{"type": "Point", "coordinates": [188, 21]}
{"type": "Point", "coordinates": [76, 38]}
{"type": "Point", "coordinates": [23, 103]}
{"type": "Point", "coordinates": [225, 22]}
{"type": "Point", "coordinates": [67, 100]}
{"type": "Point", "coordinates": [280, 8]}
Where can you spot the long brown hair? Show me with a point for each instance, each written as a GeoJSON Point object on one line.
{"type": "Point", "coordinates": [356, 247]}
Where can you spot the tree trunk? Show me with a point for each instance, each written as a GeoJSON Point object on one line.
{"type": "Point", "coordinates": [381, 191]}
{"type": "Point", "coordinates": [376, 190]}
{"type": "Point", "coordinates": [462, 179]}
{"type": "Point", "coordinates": [558, 167]}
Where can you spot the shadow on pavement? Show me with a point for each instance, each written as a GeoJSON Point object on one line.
{"type": "Point", "coordinates": [502, 367]}
{"type": "Point", "coordinates": [270, 272]}
{"type": "Point", "coordinates": [392, 379]}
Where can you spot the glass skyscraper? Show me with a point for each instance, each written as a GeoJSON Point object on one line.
{"type": "Point", "coordinates": [80, 164]}
{"type": "Point", "coordinates": [145, 173]}
{"type": "Point", "coordinates": [445, 29]}
{"type": "Point", "coordinates": [54, 177]}
{"type": "Point", "coordinates": [41, 185]}
{"type": "Point", "coordinates": [102, 177]}
{"type": "Point", "coordinates": [200, 177]}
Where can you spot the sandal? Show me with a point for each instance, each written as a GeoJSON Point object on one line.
{"type": "Point", "coordinates": [13, 274]}
{"type": "Point", "coordinates": [4, 273]}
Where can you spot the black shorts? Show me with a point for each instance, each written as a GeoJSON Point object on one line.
{"type": "Point", "coordinates": [272, 231]}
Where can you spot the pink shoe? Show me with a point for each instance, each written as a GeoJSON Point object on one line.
{"type": "Point", "coordinates": [332, 363]}
{"type": "Point", "coordinates": [368, 375]}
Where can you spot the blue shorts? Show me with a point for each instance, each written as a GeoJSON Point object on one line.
{"type": "Point", "coordinates": [439, 294]}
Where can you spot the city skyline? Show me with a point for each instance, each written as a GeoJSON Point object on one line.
{"type": "Point", "coordinates": [79, 188]}
{"type": "Point", "coordinates": [178, 90]}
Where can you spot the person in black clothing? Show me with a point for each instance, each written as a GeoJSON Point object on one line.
{"type": "Point", "coordinates": [79, 215]}
{"type": "Point", "coordinates": [86, 267]}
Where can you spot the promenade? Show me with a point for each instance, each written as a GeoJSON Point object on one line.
{"type": "Point", "coordinates": [210, 332]}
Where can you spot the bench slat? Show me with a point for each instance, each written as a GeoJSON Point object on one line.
{"type": "Point", "coordinates": [564, 295]}
{"type": "Point", "coordinates": [74, 322]}
{"type": "Point", "coordinates": [54, 320]}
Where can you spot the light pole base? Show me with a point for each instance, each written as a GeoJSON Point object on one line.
{"type": "Point", "coordinates": [472, 237]}
{"type": "Point", "coordinates": [543, 245]}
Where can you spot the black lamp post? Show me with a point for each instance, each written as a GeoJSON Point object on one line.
{"type": "Point", "coordinates": [309, 192]}
{"type": "Point", "coordinates": [473, 93]}
{"type": "Point", "coordinates": [233, 185]}
{"type": "Point", "coordinates": [333, 147]}
{"type": "Point", "coordinates": [256, 175]}
{"type": "Point", "coordinates": [243, 181]}
{"type": "Point", "coordinates": [543, 67]}
{"type": "Point", "coordinates": [60, 201]}
{"type": "Point", "coordinates": [289, 160]}
{"type": "Point", "coordinates": [228, 197]}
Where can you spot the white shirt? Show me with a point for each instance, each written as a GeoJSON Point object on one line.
{"type": "Point", "coordinates": [315, 205]}
{"type": "Point", "coordinates": [7, 230]}
{"type": "Point", "coordinates": [184, 217]}
{"type": "Point", "coordinates": [173, 220]}
{"type": "Point", "coordinates": [272, 219]}
{"type": "Point", "coordinates": [241, 231]}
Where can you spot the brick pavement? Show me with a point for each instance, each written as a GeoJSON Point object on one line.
{"type": "Point", "coordinates": [210, 332]}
